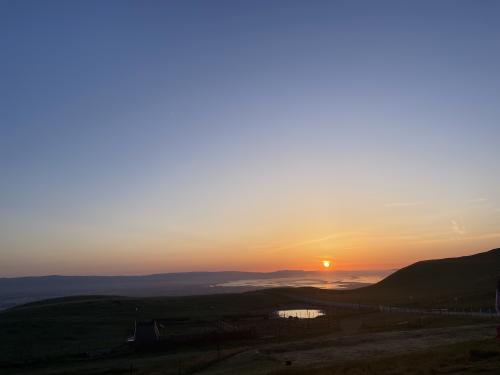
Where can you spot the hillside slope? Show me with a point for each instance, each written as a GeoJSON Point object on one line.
{"type": "Point", "coordinates": [468, 281]}
{"type": "Point", "coordinates": [467, 274]}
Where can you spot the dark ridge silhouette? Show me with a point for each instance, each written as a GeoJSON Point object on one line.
{"type": "Point", "coordinates": [476, 273]}
{"type": "Point", "coordinates": [463, 281]}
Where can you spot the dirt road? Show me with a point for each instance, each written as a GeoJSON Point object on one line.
{"type": "Point", "coordinates": [328, 349]}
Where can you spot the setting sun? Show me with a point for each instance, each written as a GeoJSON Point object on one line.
{"type": "Point", "coordinates": [326, 263]}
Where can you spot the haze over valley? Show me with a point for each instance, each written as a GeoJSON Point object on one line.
{"type": "Point", "coordinates": [15, 291]}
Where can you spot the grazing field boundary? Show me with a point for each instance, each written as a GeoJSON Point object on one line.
{"type": "Point", "coordinates": [489, 313]}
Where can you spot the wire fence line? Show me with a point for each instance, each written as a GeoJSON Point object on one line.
{"type": "Point", "coordinates": [480, 313]}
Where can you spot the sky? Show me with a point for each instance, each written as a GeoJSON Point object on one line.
{"type": "Point", "coordinates": [163, 136]}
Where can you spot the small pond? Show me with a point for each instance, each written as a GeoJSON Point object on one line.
{"type": "Point", "coordinates": [300, 313]}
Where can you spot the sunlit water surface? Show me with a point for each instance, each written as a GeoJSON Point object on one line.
{"type": "Point", "coordinates": [300, 313]}
{"type": "Point", "coordinates": [323, 280]}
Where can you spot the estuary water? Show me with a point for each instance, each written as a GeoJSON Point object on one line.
{"type": "Point", "coordinates": [320, 279]}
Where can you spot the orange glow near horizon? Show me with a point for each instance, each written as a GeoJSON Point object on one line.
{"type": "Point", "coordinates": [308, 249]}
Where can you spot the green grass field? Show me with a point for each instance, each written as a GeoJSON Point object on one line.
{"type": "Point", "coordinates": [49, 337]}
{"type": "Point", "coordinates": [68, 326]}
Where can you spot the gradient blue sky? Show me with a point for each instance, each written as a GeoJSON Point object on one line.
{"type": "Point", "coordinates": [152, 136]}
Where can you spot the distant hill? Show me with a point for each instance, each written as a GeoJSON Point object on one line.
{"type": "Point", "coordinates": [18, 290]}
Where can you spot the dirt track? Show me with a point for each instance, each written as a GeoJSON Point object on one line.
{"type": "Point", "coordinates": [327, 349]}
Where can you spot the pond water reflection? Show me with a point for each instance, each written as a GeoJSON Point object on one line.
{"type": "Point", "coordinates": [300, 313]}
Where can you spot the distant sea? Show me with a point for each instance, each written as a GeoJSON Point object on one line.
{"type": "Point", "coordinates": [319, 279]}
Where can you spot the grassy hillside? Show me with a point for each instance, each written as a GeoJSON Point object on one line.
{"type": "Point", "coordinates": [49, 337]}
{"type": "Point", "coordinates": [474, 273]}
